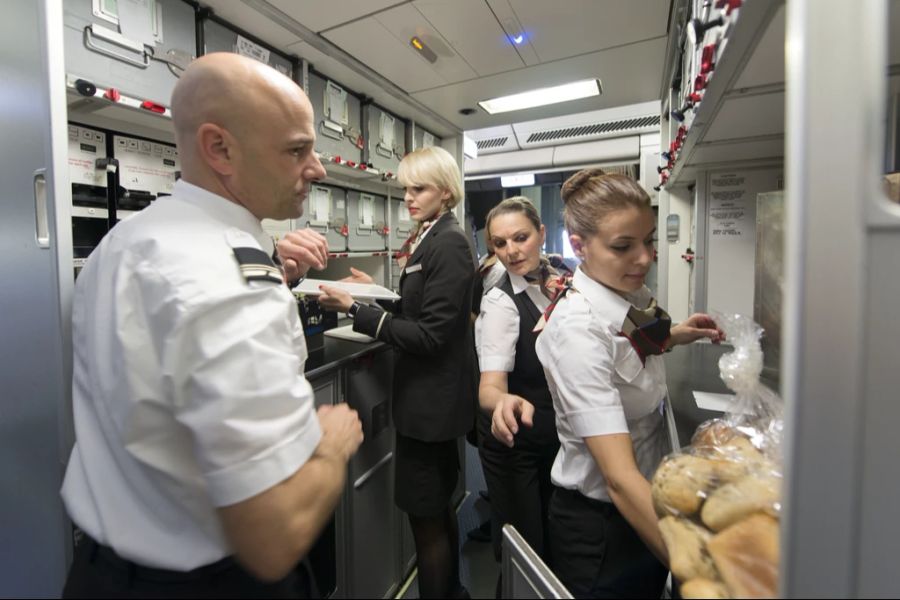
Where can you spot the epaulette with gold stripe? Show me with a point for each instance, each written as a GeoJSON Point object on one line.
{"type": "Point", "coordinates": [256, 265]}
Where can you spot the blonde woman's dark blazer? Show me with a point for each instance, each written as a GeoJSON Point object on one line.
{"type": "Point", "coordinates": [435, 374]}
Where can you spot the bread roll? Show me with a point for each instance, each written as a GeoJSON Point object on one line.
{"type": "Point", "coordinates": [684, 481]}
{"type": "Point", "coordinates": [703, 588]}
{"type": "Point", "coordinates": [713, 433]}
{"type": "Point", "coordinates": [746, 556]}
{"type": "Point", "coordinates": [681, 483]}
{"type": "Point", "coordinates": [686, 543]}
{"type": "Point", "coordinates": [734, 501]}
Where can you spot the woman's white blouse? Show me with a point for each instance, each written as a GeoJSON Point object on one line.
{"type": "Point", "coordinates": [599, 385]}
{"type": "Point", "coordinates": [497, 326]}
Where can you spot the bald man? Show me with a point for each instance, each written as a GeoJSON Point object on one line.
{"type": "Point", "coordinates": [201, 467]}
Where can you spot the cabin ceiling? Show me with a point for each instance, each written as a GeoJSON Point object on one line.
{"type": "Point", "coordinates": [621, 43]}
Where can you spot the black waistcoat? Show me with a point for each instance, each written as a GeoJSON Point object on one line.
{"type": "Point", "coordinates": [527, 377]}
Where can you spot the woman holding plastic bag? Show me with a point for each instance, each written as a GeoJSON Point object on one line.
{"type": "Point", "coordinates": [600, 351]}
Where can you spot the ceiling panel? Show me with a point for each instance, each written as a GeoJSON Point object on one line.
{"type": "Point", "coordinates": [319, 15]}
{"type": "Point", "coordinates": [471, 29]}
{"type": "Point", "coordinates": [629, 75]}
{"type": "Point", "coordinates": [572, 27]}
{"type": "Point", "coordinates": [253, 22]}
{"type": "Point", "coordinates": [747, 117]}
{"type": "Point", "coordinates": [371, 43]}
{"type": "Point", "coordinates": [513, 28]}
{"type": "Point", "coordinates": [404, 22]}
{"type": "Point", "coordinates": [766, 65]}
{"type": "Point", "coordinates": [354, 81]}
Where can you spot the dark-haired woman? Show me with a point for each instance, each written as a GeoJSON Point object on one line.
{"type": "Point", "coordinates": [518, 433]}
{"type": "Point", "coordinates": [600, 352]}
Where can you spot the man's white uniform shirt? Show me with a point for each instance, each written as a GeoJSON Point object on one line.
{"type": "Point", "coordinates": [188, 391]}
{"type": "Point", "coordinates": [599, 385]}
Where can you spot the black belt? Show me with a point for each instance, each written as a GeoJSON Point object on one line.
{"type": "Point", "coordinates": [97, 551]}
{"type": "Point", "coordinates": [608, 509]}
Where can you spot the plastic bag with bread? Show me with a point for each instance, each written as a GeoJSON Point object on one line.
{"type": "Point", "coordinates": [719, 500]}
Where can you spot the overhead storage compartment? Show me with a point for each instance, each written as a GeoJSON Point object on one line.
{"type": "Point", "coordinates": [602, 151]}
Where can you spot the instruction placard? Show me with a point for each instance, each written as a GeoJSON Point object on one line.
{"type": "Point", "coordinates": [729, 216]}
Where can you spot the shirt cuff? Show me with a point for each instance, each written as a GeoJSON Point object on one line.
{"type": "Point", "coordinates": [598, 421]}
{"type": "Point", "coordinates": [496, 363]}
{"type": "Point", "coordinates": [240, 482]}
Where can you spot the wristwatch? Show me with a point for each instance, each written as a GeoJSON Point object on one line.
{"type": "Point", "coordinates": [351, 312]}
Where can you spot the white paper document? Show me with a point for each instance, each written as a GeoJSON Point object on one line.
{"type": "Point", "coordinates": [321, 204]}
{"type": "Point", "coordinates": [357, 290]}
{"type": "Point", "coordinates": [366, 210]}
{"type": "Point", "coordinates": [136, 20]}
{"type": "Point", "coordinates": [717, 402]}
{"type": "Point", "coordinates": [386, 131]}
{"type": "Point", "coordinates": [346, 333]}
{"type": "Point", "coordinates": [336, 104]}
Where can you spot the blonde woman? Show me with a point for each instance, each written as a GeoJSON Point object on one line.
{"type": "Point", "coordinates": [435, 370]}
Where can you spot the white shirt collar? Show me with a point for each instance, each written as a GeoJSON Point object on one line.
{"type": "Point", "coordinates": [519, 283]}
{"type": "Point", "coordinates": [433, 223]}
{"type": "Point", "coordinates": [606, 301]}
{"type": "Point", "coordinates": [224, 210]}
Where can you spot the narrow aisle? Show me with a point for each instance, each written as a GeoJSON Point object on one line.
{"type": "Point", "coordinates": [478, 571]}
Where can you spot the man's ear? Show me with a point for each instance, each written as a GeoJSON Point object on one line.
{"type": "Point", "coordinates": [216, 147]}
{"type": "Point", "coordinates": [577, 245]}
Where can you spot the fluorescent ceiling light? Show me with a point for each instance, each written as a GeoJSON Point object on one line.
{"type": "Point", "coordinates": [543, 96]}
{"type": "Point", "coordinates": [518, 180]}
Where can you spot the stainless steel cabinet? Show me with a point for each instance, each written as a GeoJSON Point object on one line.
{"type": "Point", "coordinates": [327, 556]}
{"type": "Point", "coordinates": [36, 245]}
{"type": "Point", "coordinates": [373, 540]}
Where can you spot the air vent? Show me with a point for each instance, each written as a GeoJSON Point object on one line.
{"type": "Point", "coordinates": [589, 130]}
{"type": "Point", "coordinates": [497, 142]}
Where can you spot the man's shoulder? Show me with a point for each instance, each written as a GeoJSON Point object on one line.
{"type": "Point", "coordinates": [188, 249]}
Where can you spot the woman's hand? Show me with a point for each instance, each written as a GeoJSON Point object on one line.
{"type": "Point", "coordinates": [357, 276]}
{"type": "Point", "coordinates": [504, 424]}
{"type": "Point", "coordinates": [335, 299]}
{"type": "Point", "coordinates": [696, 327]}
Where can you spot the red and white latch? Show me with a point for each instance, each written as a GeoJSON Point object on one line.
{"type": "Point", "coordinates": [728, 5]}
{"type": "Point", "coordinates": [708, 59]}
{"type": "Point", "coordinates": [700, 83]}
{"type": "Point", "coordinates": [153, 107]}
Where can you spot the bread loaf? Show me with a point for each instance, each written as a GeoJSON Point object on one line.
{"type": "Point", "coordinates": [681, 483]}
{"type": "Point", "coordinates": [713, 433]}
{"type": "Point", "coordinates": [734, 501]}
{"type": "Point", "coordinates": [686, 543]}
{"type": "Point", "coordinates": [746, 556]}
{"type": "Point", "coordinates": [703, 588]}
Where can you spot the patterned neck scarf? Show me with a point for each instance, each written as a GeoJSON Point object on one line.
{"type": "Point", "coordinates": [648, 330]}
{"type": "Point", "coordinates": [412, 242]}
{"type": "Point", "coordinates": [551, 275]}
{"type": "Point", "coordinates": [557, 283]}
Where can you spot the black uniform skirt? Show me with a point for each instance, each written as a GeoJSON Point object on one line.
{"type": "Point", "coordinates": [425, 476]}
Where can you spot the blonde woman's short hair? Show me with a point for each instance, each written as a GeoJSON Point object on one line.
{"type": "Point", "coordinates": [432, 166]}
